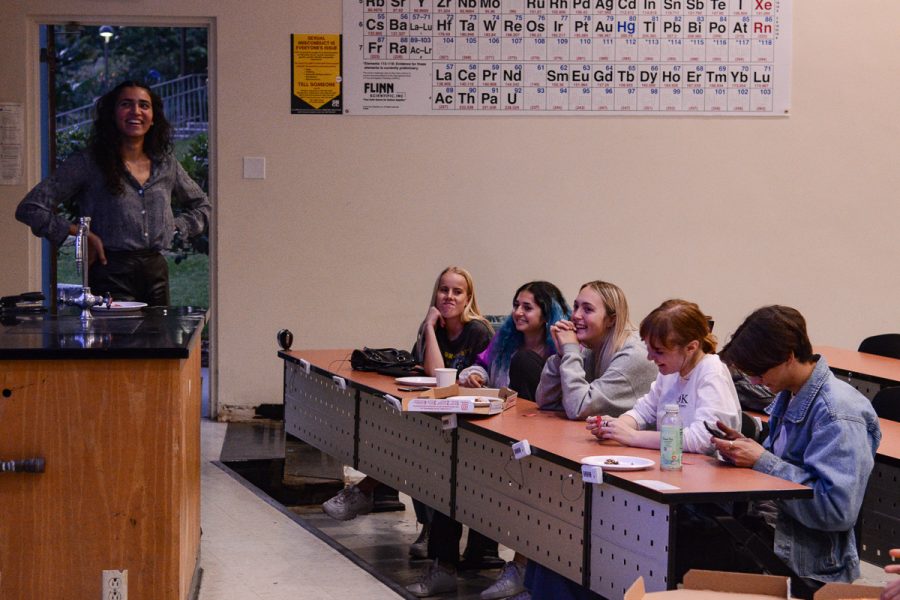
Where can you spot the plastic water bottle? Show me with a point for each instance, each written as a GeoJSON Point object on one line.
{"type": "Point", "coordinates": [670, 439]}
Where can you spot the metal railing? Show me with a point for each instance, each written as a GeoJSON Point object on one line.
{"type": "Point", "coordinates": [185, 102]}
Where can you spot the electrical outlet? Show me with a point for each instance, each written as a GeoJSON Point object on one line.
{"type": "Point", "coordinates": [115, 585]}
{"type": "Point", "coordinates": [448, 422]}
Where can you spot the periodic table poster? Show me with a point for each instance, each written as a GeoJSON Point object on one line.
{"type": "Point", "coordinates": [567, 57]}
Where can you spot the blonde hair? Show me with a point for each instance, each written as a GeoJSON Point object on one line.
{"type": "Point", "coordinates": [616, 307]}
{"type": "Point", "coordinates": [678, 322]}
{"type": "Point", "coordinates": [470, 310]}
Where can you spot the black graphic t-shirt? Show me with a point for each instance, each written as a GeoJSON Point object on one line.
{"type": "Point", "coordinates": [462, 352]}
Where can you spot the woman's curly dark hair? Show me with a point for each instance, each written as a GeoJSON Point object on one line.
{"type": "Point", "coordinates": [105, 138]}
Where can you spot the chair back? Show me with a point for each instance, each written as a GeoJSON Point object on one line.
{"type": "Point", "coordinates": [887, 403]}
{"type": "Point", "coordinates": [752, 427]}
{"type": "Point", "coordinates": [886, 344]}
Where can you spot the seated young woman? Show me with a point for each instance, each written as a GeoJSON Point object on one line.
{"type": "Point", "coordinates": [600, 367]}
{"type": "Point", "coordinates": [600, 364]}
{"type": "Point", "coordinates": [514, 359]}
{"type": "Point", "coordinates": [536, 307]}
{"type": "Point", "coordinates": [691, 375]}
{"type": "Point", "coordinates": [453, 333]}
{"type": "Point", "coordinates": [823, 434]}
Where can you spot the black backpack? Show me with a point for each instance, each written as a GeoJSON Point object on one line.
{"type": "Point", "coordinates": [387, 361]}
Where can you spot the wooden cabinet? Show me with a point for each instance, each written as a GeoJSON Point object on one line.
{"type": "Point", "coordinates": [121, 490]}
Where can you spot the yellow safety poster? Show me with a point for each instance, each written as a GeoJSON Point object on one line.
{"type": "Point", "coordinates": [316, 74]}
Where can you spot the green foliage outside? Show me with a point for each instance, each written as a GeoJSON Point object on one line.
{"type": "Point", "coordinates": [149, 54]}
{"type": "Point", "coordinates": [188, 280]}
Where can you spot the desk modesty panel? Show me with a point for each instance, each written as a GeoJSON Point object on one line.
{"type": "Point", "coordinates": [880, 514]}
{"type": "Point", "coordinates": [602, 535]}
{"type": "Point", "coordinates": [866, 372]}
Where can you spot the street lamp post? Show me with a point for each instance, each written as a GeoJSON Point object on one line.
{"type": "Point", "coordinates": [106, 32]}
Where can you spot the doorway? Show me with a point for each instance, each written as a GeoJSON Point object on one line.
{"type": "Point", "coordinates": [79, 63]}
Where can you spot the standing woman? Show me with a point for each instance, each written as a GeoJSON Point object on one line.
{"type": "Point", "coordinates": [600, 365]}
{"type": "Point", "coordinates": [125, 182]}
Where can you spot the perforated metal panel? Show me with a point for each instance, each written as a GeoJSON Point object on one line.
{"type": "Point", "coordinates": [405, 450]}
{"type": "Point", "coordinates": [318, 412]}
{"type": "Point", "coordinates": [629, 538]}
{"type": "Point", "coordinates": [866, 387]}
{"type": "Point", "coordinates": [880, 515]}
{"type": "Point", "coordinates": [531, 505]}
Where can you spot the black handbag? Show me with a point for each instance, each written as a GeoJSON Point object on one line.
{"type": "Point", "coordinates": [387, 361]}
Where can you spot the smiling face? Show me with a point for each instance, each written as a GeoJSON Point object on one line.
{"type": "Point", "coordinates": [452, 296]}
{"type": "Point", "coordinates": [134, 112]}
{"type": "Point", "coordinates": [526, 314]}
{"type": "Point", "coordinates": [676, 359]}
{"type": "Point", "coordinates": [592, 323]}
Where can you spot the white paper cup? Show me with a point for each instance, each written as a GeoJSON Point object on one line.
{"type": "Point", "coordinates": [445, 377]}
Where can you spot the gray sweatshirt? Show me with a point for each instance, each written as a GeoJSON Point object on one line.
{"type": "Point", "coordinates": [568, 381]}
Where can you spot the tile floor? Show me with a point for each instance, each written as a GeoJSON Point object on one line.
{"type": "Point", "coordinates": [251, 549]}
{"type": "Point", "coordinates": [254, 548]}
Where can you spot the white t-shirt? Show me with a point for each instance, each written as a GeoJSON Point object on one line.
{"type": "Point", "coordinates": [706, 394]}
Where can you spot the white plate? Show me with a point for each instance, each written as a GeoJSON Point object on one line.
{"type": "Point", "coordinates": [622, 463]}
{"type": "Point", "coordinates": [120, 306]}
{"type": "Point", "coordinates": [416, 381]}
{"type": "Point", "coordinates": [475, 400]}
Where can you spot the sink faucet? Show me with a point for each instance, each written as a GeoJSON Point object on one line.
{"type": "Point", "coordinates": [86, 299]}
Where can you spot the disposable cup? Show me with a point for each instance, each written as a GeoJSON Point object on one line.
{"type": "Point", "coordinates": [445, 377]}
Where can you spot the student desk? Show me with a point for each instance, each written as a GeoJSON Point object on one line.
{"type": "Point", "coordinates": [603, 536]}
{"type": "Point", "coordinates": [866, 372]}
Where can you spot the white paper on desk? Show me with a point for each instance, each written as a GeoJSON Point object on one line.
{"type": "Point", "coordinates": [656, 484]}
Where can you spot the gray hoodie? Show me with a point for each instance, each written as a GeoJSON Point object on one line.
{"type": "Point", "coordinates": [568, 381]}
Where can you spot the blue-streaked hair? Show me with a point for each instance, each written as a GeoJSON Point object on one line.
{"type": "Point", "coordinates": [508, 340]}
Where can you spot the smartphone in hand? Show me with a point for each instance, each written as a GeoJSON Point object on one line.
{"type": "Point", "coordinates": [713, 431]}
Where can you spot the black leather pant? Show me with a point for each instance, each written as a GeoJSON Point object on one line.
{"type": "Point", "coordinates": [139, 275]}
{"type": "Point", "coordinates": [443, 541]}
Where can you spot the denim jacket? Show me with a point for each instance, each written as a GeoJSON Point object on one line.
{"type": "Point", "coordinates": [832, 435]}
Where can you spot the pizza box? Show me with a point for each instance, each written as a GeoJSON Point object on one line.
{"type": "Point", "coordinates": [718, 585]}
{"type": "Point", "coordinates": [462, 400]}
{"type": "Point", "coordinates": [847, 591]}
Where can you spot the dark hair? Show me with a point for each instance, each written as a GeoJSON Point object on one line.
{"type": "Point", "coordinates": [548, 298]}
{"type": "Point", "coordinates": [553, 308]}
{"type": "Point", "coordinates": [766, 339]}
{"type": "Point", "coordinates": [105, 139]}
{"type": "Point", "coordinates": [678, 322]}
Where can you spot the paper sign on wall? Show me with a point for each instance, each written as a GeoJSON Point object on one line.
{"type": "Point", "coordinates": [316, 74]}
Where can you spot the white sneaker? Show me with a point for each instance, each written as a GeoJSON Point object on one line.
{"type": "Point", "coordinates": [510, 582]}
{"type": "Point", "coordinates": [436, 580]}
{"type": "Point", "coordinates": [348, 504]}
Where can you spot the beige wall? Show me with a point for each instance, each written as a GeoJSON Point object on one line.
{"type": "Point", "coordinates": [343, 239]}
